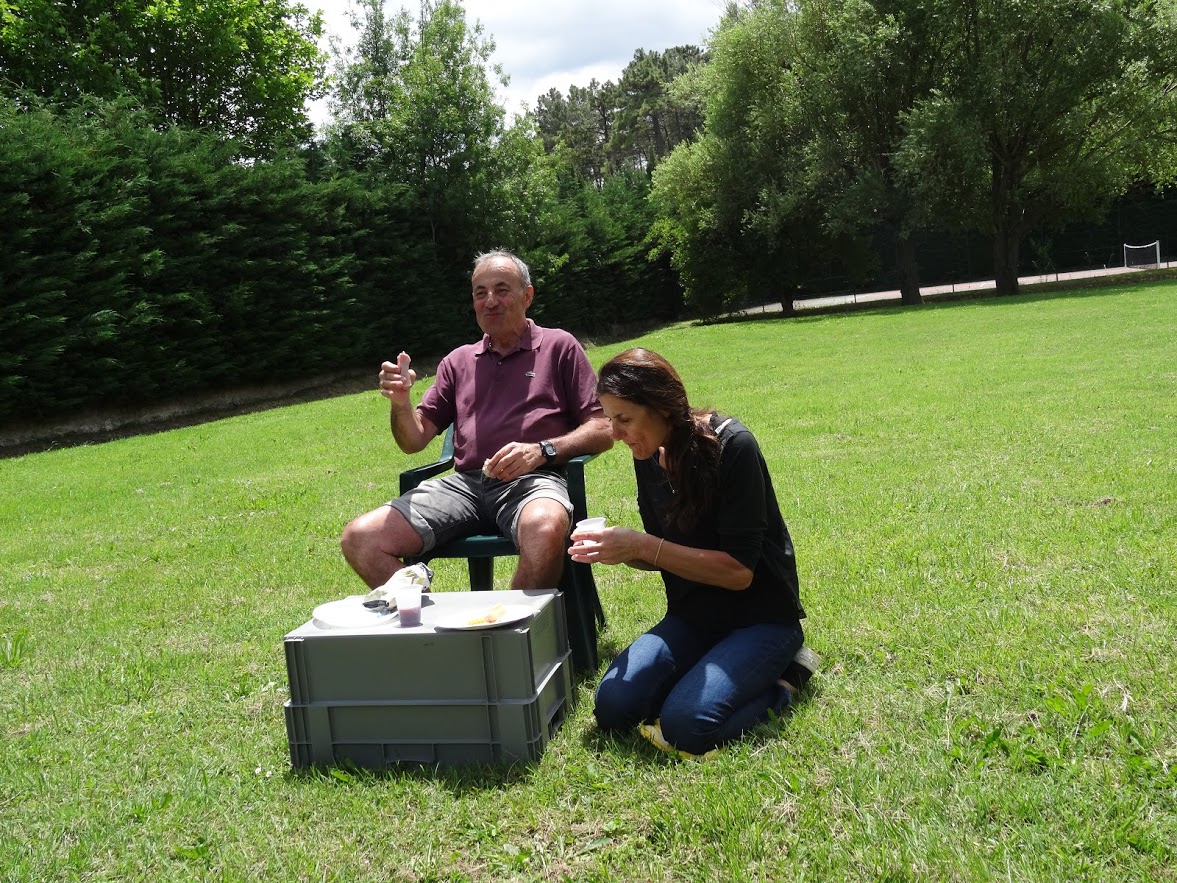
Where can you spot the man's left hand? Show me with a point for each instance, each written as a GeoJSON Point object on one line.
{"type": "Point", "coordinates": [513, 460]}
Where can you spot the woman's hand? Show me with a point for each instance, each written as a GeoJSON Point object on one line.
{"type": "Point", "coordinates": [609, 545]}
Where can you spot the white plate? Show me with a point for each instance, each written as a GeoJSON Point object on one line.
{"type": "Point", "coordinates": [350, 613]}
{"type": "Point", "coordinates": [462, 619]}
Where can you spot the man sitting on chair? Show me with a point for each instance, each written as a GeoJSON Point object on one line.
{"type": "Point", "coordinates": [522, 402]}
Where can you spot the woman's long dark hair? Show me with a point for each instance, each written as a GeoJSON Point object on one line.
{"type": "Point", "coordinates": [645, 378]}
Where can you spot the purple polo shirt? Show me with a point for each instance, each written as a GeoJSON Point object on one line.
{"type": "Point", "coordinates": [542, 389]}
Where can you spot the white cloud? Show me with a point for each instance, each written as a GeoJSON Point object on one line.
{"type": "Point", "coordinates": [545, 44]}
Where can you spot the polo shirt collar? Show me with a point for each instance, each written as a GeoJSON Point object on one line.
{"type": "Point", "coordinates": [529, 340]}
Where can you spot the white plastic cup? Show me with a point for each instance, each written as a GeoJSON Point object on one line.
{"type": "Point", "coordinates": [408, 605]}
{"type": "Point", "coordinates": [587, 525]}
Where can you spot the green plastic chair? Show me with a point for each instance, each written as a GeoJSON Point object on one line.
{"type": "Point", "coordinates": [582, 604]}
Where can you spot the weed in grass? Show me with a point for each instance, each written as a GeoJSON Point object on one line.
{"type": "Point", "coordinates": [14, 649]}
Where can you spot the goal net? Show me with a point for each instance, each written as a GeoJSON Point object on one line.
{"type": "Point", "coordinates": [1142, 255]}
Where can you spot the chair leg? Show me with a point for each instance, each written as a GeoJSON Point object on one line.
{"type": "Point", "coordinates": [482, 571]}
{"type": "Point", "coordinates": [581, 605]}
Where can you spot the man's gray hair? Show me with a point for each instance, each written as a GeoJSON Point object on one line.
{"type": "Point", "coordinates": [524, 273]}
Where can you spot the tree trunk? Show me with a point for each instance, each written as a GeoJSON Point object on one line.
{"type": "Point", "coordinates": [1006, 244]}
{"type": "Point", "coordinates": [909, 272]}
{"type": "Point", "coordinates": [1007, 226]}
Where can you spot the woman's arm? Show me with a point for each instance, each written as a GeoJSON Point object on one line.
{"type": "Point", "coordinates": [740, 505]}
{"type": "Point", "coordinates": [643, 551]}
{"type": "Point", "coordinates": [712, 567]}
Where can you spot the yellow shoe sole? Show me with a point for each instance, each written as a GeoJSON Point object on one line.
{"type": "Point", "coordinates": [653, 733]}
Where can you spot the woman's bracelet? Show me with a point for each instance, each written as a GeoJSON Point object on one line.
{"type": "Point", "coordinates": [659, 552]}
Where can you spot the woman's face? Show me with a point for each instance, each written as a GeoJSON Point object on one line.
{"type": "Point", "coordinates": [643, 429]}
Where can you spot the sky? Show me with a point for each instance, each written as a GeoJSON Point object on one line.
{"type": "Point", "coordinates": [545, 44]}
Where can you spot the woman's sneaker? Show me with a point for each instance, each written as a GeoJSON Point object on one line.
{"type": "Point", "coordinates": [653, 732]}
{"type": "Point", "coordinates": [804, 665]}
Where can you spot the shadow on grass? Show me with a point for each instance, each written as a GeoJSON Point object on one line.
{"type": "Point", "coordinates": [1096, 286]}
{"type": "Point", "coordinates": [475, 778]}
{"type": "Point", "coordinates": [635, 746]}
{"type": "Point", "coordinates": [195, 409]}
{"type": "Point", "coordinates": [458, 780]}
{"type": "Point", "coordinates": [103, 427]}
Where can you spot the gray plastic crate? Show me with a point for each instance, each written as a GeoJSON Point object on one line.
{"type": "Point", "coordinates": [385, 663]}
{"type": "Point", "coordinates": [377, 735]}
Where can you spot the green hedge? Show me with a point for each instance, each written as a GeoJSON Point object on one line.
{"type": "Point", "coordinates": [140, 265]}
{"type": "Point", "coordinates": [137, 264]}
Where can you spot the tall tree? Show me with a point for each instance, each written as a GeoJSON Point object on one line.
{"type": "Point", "coordinates": [416, 105]}
{"type": "Point", "coordinates": [583, 122]}
{"type": "Point", "coordinates": [367, 76]}
{"type": "Point", "coordinates": [1048, 111]}
{"type": "Point", "coordinates": [860, 67]}
{"type": "Point", "coordinates": [241, 68]}
{"type": "Point", "coordinates": [652, 118]}
{"type": "Point", "coordinates": [631, 124]}
{"type": "Point", "coordinates": [1000, 115]}
{"type": "Point", "coordinates": [811, 96]}
{"type": "Point", "coordinates": [732, 206]}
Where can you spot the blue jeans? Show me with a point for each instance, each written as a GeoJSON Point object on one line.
{"type": "Point", "coordinates": [706, 687]}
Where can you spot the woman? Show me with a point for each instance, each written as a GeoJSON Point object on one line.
{"type": "Point", "coordinates": [729, 649]}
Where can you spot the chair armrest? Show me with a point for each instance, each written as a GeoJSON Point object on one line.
{"type": "Point", "coordinates": [410, 478]}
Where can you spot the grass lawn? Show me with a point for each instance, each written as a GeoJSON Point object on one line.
{"type": "Point", "coordinates": [983, 497]}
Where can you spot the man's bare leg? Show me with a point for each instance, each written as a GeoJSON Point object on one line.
{"type": "Point", "coordinates": [543, 545]}
{"type": "Point", "coordinates": [374, 544]}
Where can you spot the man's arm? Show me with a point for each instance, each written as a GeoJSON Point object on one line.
{"type": "Point", "coordinates": [592, 437]}
{"type": "Point", "coordinates": [410, 429]}
{"type": "Point", "coordinates": [518, 458]}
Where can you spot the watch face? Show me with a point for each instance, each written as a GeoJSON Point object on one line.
{"type": "Point", "coordinates": [549, 449]}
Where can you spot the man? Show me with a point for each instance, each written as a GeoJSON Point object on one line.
{"type": "Point", "coordinates": [522, 401]}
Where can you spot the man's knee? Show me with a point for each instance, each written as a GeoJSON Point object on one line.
{"type": "Point", "coordinates": [543, 522]}
{"type": "Point", "coordinates": [385, 530]}
{"type": "Point", "coordinates": [541, 533]}
{"type": "Point", "coordinates": [353, 539]}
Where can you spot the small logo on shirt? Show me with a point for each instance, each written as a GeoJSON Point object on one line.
{"type": "Point", "coordinates": [529, 374]}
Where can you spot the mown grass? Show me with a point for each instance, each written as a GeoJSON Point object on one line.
{"type": "Point", "coordinates": [982, 496]}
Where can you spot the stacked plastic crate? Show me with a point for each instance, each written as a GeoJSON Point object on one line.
{"type": "Point", "coordinates": [382, 696]}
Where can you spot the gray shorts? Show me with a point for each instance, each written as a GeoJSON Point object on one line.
{"type": "Point", "coordinates": [463, 504]}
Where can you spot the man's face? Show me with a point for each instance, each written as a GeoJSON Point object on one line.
{"type": "Point", "coordinates": [500, 300]}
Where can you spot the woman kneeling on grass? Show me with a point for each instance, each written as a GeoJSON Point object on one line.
{"type": "Point", "coordinates": [729, 650]}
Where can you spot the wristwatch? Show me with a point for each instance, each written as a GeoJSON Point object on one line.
{"type": "Point", "coordinates": [549, 451]}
